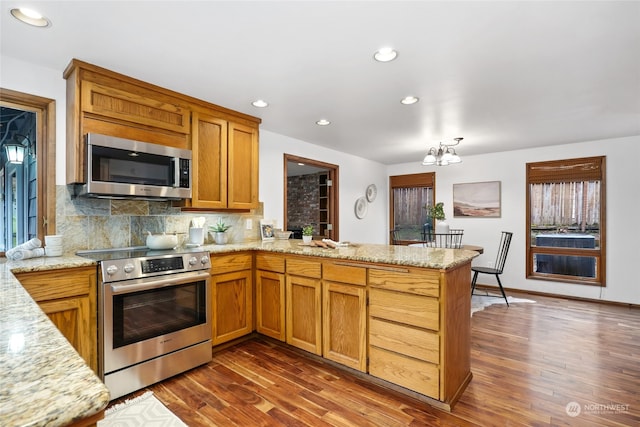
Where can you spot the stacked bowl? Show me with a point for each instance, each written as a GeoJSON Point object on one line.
{"type": "Point", "coordinates": [53, 245]}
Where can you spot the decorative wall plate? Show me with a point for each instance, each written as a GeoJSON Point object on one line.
{"type": "Point", "coordinates": [372, 192]}
{"type": "Point", "coordinates": [361, 207]}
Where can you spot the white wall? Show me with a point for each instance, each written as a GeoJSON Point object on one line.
{"type": "Point", "coordinates": [623, 203]}
{"type": "Point", "coordinates": [355, 174]}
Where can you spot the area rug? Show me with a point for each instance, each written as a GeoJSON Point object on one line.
{"type": "Point", "coordinates": [479, 302]}
{"type": "Point", "coordinates": [144, 410]}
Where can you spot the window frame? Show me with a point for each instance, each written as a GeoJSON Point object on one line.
{"type": "Point", "coordinates": [568, 170]}
{"type": "Point", "coordinates": [426, 179]}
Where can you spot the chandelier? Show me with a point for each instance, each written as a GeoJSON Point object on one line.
{"type": "Point", "coordinates": [442, 156]}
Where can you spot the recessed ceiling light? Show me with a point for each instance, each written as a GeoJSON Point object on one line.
{"type": "Point", "coordinates": [323, 122]}
{"type": "Point", "coordinates": [385, 54]}
{"type": "Point", "coordinates": [31, 17]}
{"type": "Point", "coordinates": [408, 100]}
{"type": "Point", "coordinates": [260, 103]}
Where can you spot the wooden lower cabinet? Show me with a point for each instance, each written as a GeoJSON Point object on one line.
{"type": "Point", "coordinates": [232, 297]}
{"type": "Point", "coordinates": [270, 304]}
{"type": "Point", "coordinates": [68, 297]}
{"type": "Point", "coordinates": [419, 330]}
{"type": "Point", "coordinates": [344, 324]}
{"type": "Point", "coordinates": [270, 295]}
{"type": "Point", "coordinates": [409, 328]}
{"type": "Point", "coordinates": [304, 313]}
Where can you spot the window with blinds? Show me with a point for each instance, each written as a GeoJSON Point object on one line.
{"type": "Point", "coordinates": [565, 218]}
{"type": "Point", "coordinates": [409, 196]}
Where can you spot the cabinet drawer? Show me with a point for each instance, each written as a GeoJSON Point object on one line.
{"type": "Point", "coordinates": [415, 281]}
{"type": "Point", "coordinates": [54, 284]}
{"type": "Point", "coordinates": [414, 310]}
{"type": "Point", "coordinates": [270, 262]}
{"type": "Point", "coordinates": [303, 267]}
{"type": "Point", "coordinates": [417, 343]}
{"type": "Point", "coordinates": [233, 262]}
{"type": "Point", "coordinates": [344, 273]}
{"type": "Point", "coordinates": [413, 374]}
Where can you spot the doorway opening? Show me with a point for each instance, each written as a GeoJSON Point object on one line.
{"type": "Point", "coordinates": [311, 197]}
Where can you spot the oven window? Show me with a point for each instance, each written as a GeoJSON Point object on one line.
{"type": "Point", "coordinates": [147, 314]}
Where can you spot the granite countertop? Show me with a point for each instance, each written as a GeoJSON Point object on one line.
{"type": "Point", "coordinates": [437, 258]}
{"type": "Point", "coordinates": [44, 382]}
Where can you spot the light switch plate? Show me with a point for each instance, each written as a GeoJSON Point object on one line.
{"type": "Point", "coordinates": [249, 224]}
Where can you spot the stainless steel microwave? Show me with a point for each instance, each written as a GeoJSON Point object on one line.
{"type": "Point", "coordinates": [124, 168]}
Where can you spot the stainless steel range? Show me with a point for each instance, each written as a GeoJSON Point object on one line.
{"type": "Point", "coordinates": [154, 315]}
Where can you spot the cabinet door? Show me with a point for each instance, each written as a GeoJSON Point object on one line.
{"type": "Point", "coordinates": [304, 313]}
{"type": "Point", "coordinates": [209, 171]}
{"type": "Point", "coordinates": [270, 302]}
{"type": "Point", "coordinates": [68, 297]}
{"type": "Point", "coordinates": [243, 167]}
{"type": "Point", "coordinates": [344, 324]}
{"type": "Point", "coordinates": [232, 307]}
{"type": "Point", "coordinates": [68, 315]}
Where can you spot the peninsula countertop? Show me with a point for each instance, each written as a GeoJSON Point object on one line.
{"type": "Point", "coordinates": [43, 381]}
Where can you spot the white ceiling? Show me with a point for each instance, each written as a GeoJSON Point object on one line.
{"type": "Point", "coordinates": [504, 75]}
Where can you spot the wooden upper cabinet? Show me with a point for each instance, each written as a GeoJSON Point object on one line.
{"type": "Point", "coordinates": [225, 163]}
{"type": "Point", "coordinates": [209, 164]}
{"type": "Point", "coordinates": [101, 101]}
{"type": "Point", "coordinates": [146, 110]}
{"type": "Point", "coordinates": [243, 167]}
{"type": "Point", "coordinates": [224, 142]}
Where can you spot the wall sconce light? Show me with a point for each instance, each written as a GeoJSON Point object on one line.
{"type": "Point", "coordinates": [17, 150]}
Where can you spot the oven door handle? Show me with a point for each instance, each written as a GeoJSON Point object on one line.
{"type": "Point", "coordinates": [156, 283]}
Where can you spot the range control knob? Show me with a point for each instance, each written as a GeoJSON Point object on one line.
{"type": "Point", "coordinates": [204, 260]}
{"type": "Point", "coordinates": [193, 260]}
{"type": "Point", "coordinates": [111, 270]}
{"type": "Point", "coordinates": [128, 268]}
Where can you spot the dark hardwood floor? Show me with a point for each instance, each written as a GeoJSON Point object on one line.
{"type": "Point", "coordinates": [532, 364]}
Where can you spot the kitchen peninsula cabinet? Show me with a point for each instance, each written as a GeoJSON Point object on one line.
{"type": "Point", "coordinates": [344, 314]}
{"type": "Point", "coordinates": [405, 324]}
{"type": "Point", "coordinates": [232, 296]}
{"type": "Point", "coordinates": [225, 163]}
{"type": "Point", "coordinates": [270, 295]}
{"type": "Point", "coordinates": [68, 297]}
{"type": "Point", "coordinates": [304, 304]}
{"type": "Point", "coordinates": [419, 329]}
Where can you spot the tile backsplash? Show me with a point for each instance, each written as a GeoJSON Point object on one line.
{"type": "Point", "coordinates": [88, 223]}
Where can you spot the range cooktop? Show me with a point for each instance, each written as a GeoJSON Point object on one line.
{"type": "Point", "coordinates": [139, 262]}
{"type": "Point", "coordinates": [133, 252]}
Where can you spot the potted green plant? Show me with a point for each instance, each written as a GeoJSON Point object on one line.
{"type": "Point", "coordinates": [437, 213]}
{"type": "Point", "coordinates": [219, 230]}
{"type": "Point", "coordinates": [307, 233]}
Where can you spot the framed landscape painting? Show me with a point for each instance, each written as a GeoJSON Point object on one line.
{"type": "Point", "coordinates": [477, 199]}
